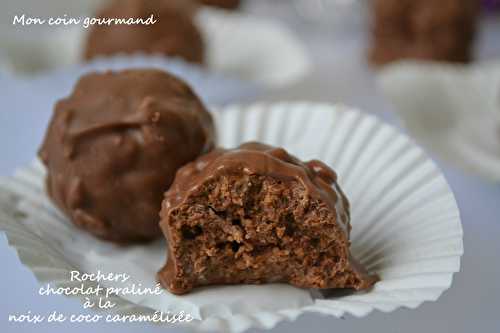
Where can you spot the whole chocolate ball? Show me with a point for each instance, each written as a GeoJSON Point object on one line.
{"type": "Point", "coordinates": [114, 145]}
{"type": "Point", "coordinates": [174, 33]}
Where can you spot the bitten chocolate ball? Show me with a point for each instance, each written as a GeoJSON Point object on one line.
{"type": "Point", "coordinates": [114, 145]}
{"type": "Point", "coordinates": [257, 215]}
{"type": "Point", "coordinates": [226, 4]}
{"type": "Point", "coordinates": [426, 29]}
{"type": "Point", "coordinates": [174, 34]}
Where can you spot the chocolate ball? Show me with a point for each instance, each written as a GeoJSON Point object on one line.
{"type": "Point", "coordinates": [426, 30]}
{"type": "Point", "coordinates": [226, 4]}
{"type": "Point", "coordinates": [257, 214]}
{"type": "Point", "coordinates": [114, 145]}
{"type": "Point", "coordinates": [174, 33]}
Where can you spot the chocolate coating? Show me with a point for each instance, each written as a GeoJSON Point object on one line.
{"type": "Point", "coordinates": [426, 29]}
{"type": "Point", "coordinates": [226, 4]}
{"type": "Point", "coordinates": [114, 145]}
{"type": "Point", "coordinates": [174, 33]}
{"type": "Point", "coordinates": [282, 221]}
{"type": "Point", "coordinates": [256, 158]}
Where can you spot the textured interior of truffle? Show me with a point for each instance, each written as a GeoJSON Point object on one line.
{"type": "Point", "coordinates": [256, 229]}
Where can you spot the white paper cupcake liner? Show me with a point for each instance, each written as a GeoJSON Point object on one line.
{"type": "Point", "coordinates": [257, 49]}
{"type": "Point", "coordinates": [454, 111]}
{"type": "Point", "coordinates": [238, 45]}
{"type": "Point", "coordinates": [406, 225]}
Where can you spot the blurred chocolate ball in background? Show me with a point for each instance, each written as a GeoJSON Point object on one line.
{"type": "Point", "coordinates": [425, 29]}
{"type": "Point", "coordinates": [174, 34]}
{"type": "Point", "coordinates": [226, 4]}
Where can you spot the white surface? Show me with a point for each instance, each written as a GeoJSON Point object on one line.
{"type": "Point", "coordinates": [453, 110]}
{"type": "Point", "coordinates": [406, 225]}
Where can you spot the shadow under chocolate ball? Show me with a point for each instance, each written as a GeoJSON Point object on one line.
{"type": "Point", "coordinates": [114, 145]}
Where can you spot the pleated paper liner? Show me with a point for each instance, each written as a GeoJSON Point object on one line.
{"type": "Point", "coordinates": [453, 110]}
{"type": "Point", "coordinates": [406, 225]}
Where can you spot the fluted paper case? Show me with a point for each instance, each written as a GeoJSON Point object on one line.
{"type": "Point", "coordinates": [405, 224]}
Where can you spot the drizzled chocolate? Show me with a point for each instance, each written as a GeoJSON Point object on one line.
{"type": "Point", "coordinates": [113, 146]}
{"type": "Point", "coordinates": [318, 179]}
{"type": "Point", "coordinates": [266, 204]}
